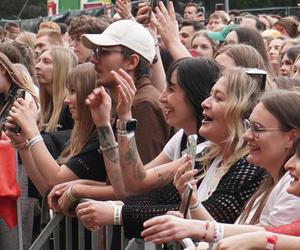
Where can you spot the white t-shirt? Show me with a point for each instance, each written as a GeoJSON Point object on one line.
{"type": "Point", "coordinates": [281, 207]}
{"type": "Point", "coordinates": [172, 148]}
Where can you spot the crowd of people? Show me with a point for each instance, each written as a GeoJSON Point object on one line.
{"type": "Point", "coordinates": [110, 104]}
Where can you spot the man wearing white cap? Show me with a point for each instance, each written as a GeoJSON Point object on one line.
{"type": "Point", "coordinates": [128, 45]}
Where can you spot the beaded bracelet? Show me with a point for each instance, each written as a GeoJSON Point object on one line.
{"type": "Point", "coordinates": [218, 232]}
{"type": "Point", "coordinates": [70, 195]}
{"type": "Point", "coordinates": [33, 141]}
{"type": "Point", "coordinates": [117, 215]}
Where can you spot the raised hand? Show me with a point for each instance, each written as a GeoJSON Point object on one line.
{"type": "Point", "coordinates": [99, 103]}
{"type": "Point", "coordinates": [166, 23]}
{"type": "Point", "coordinates": [123, 7]}
{"type": "Point", "coordinates": [126, 94]}
{"type": "Point", "coordinates": [167, 28]}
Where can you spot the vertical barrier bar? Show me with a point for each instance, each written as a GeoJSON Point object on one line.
{"type": "Point", "coordinates": [56, 238]}
{"type": "Point", "coordinates": [68, 226]}
{"type": "Point", "coordinates": [108, 237]}
{"type": "Point", "coordinates": [95, 239]}
{"type": "Point", "coordinates": [80, 236]}
{"type": "Point", "coordinates": [19, 214]}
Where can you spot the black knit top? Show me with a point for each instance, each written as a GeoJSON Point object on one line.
{"type": "Point", "coordinates": [225, 204]}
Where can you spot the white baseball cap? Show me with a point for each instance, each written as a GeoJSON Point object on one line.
{"type": "Point", "coordinates": [127, 33]}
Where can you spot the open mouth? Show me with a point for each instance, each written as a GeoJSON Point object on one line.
{"type": "Point", "coordinates": [294, 178]}
{"type": "Point", "coordinates": [167, 111]}
{"type": "Point", "coordinates": [206, 118]}
{"type": "Point", "coordinates": [253, 147]}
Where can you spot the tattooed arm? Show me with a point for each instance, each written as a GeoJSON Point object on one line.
{"type": "Point", "coordinates": [109, 149]}
{"type": "Point", "coordinates": [99, 103]}
{"type": "Point", "coordinates": [135, 177]}
{"type": "Point", "coordinates": [138, 178]}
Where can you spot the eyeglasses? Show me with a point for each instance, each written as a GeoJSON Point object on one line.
{"type": "Point", "coordinates": [254, 72]}
{"type": "Point", "coordinates": [97, 52]}
{"type": "Point", "coordinates": [256, 129]}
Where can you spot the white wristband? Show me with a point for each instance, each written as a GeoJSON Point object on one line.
{"type": "Point", "coordinates": [33, 141]}
{"type": "Point", "coordinates": [117, 215]}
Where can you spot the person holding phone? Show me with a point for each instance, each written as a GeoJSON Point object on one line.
{"type": "Point", "coordinates": [269, 121]}
{"type": "Point", "coordinates": [11, 83]}
{"type": "Point", "coordinates": [165, 197]}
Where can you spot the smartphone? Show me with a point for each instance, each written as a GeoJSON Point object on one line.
{"type": "Point", "coordinates": [191, 147]}
{"type": "Point", "coordinates": [151, 6]}
{"type": "Point", "coordinates": [219, 6]}
{"type": "Point", "coordinates": [185, 200]}
{"type": "Point", "coordinates": [20, 94]}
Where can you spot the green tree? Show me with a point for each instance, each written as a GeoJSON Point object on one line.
{"type": "Point", "coordinates": [10, 9]}
{"type": "Point", "coordinates": [245, 4]}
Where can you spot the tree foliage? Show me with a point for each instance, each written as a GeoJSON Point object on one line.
{"type": "Point", "coordinates": [10, 9]}
{"type": "Point", "coordinates": [245, 4]}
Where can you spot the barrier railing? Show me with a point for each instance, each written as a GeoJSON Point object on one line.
{"type": "Point", "coordinates": [51, 231]}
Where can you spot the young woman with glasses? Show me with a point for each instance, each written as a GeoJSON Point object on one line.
{"type": "Point", "coordinates": [274, 128]}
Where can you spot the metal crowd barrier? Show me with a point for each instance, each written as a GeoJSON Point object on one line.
{"type": "Point", "coordinates": [51, 231]}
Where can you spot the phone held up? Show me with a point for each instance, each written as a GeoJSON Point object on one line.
{"type": "Point", "coordinates": [152, 4]}
{"type": "Point", "coordinates": [191, 147]}
{"type": "Point", "coordinates": [20, 93]}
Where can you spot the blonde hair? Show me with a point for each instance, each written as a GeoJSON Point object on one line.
{"type": "Point", "coordinates": [15, 77]}
{"type": "Point", "coordinates": [83, 79]}
{"type": "Point", "coordinates": [63, 61]}
{"type": "Point", "coordinates": [27, 38]}
{"type": "Point", "coordinates": [49, 25]}
{"type": "Point", "coordinates": [243, 92]}
{"type": "Point", "coordinates": [247, 56]}
{"type": "Point", "coordinates": [54, 37]}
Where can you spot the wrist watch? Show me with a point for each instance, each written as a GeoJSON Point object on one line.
{"type": "Point", "coordinates": [128, 126]}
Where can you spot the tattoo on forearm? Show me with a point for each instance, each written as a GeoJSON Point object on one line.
{"type": "Point", "coordinates": [107, 140]}
{"type": "Point", "coordinates": [132, 160]}
{"type": "Point", "coordinates": [163, 177]}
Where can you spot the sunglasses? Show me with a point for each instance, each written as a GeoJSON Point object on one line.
{"type": "Point", "coordinates": [258, 73]}
{"type": "Point", "coordinates": [98, 51]}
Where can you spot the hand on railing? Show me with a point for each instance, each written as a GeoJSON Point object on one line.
{"type": "Point", "coordinates": [93, 214]}
{"type": "Point", "coordinates": [167, 228]}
